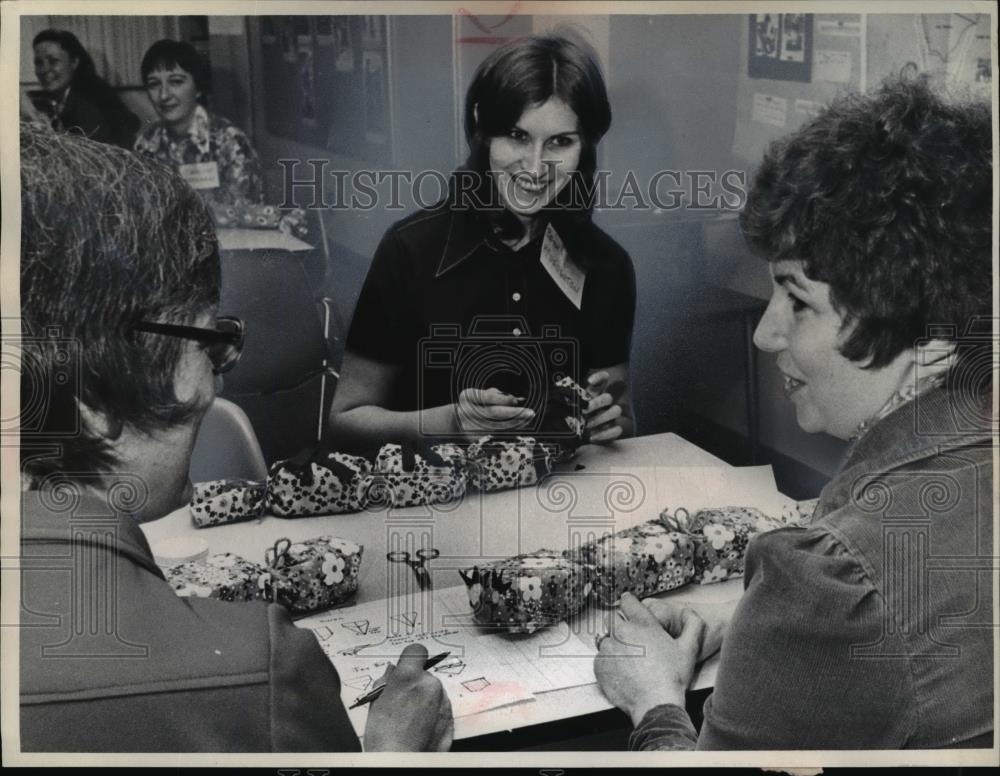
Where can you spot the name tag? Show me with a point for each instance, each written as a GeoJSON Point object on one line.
{"type": "Point", "coordinates": [567, 275]}
{"type": "Point", "coordinates": [201, 175]}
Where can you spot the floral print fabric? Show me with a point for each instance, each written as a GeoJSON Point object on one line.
{"type": "Point", "coordinates": [225, 576]}
{"type": "Point", "coordinates": [643, 560]}
{"type": "Point", "coordinates": [312, 575]}
{"type": "Point", "coordinates": [211, 138]}
{"type": "Point", "coordinates": [527, 592]}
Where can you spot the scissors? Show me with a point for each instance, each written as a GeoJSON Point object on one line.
{"type": "Point", "coordinates": [419, 566]}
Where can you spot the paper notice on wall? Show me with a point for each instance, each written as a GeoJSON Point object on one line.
{"type": "Point", "coordinates": [769, 109]}
{"type": "Point", "coordinates": [832, 65]}
{"type": "Point", "coordinates": [849, 27]}
{"type": "Point", "coordinates": [808, 107]}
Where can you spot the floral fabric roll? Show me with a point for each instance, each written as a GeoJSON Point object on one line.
{"type": "Point", "coordinates": [527, 592]}
{"type": "Point", "coordinates": [324, 483]}
{"type": "Point", "coordinates": [403, 477]}
{"type": "Point", "coordinates": [227, 501]}
{"type": "Point", "coordinates": [225, 576]}
{"type": "Point", "coordinates": [721, 537]}
{"type": "Point", "coordinates": [642, 560]}
{"type": "Point", "coordinates": [496, 463]}
{"type": "Point", "coordinates": [311, 575]}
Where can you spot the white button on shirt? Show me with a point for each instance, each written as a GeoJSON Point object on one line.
{"type": "Point", "coordinates": [516, 332]}
{"type": "Point", "coordinates": [516, 296]}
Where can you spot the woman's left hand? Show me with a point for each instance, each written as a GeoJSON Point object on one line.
{"type": "Point", "coordinates": [640, 665]}
{"type": "Point", "coordinates": [606, 417]}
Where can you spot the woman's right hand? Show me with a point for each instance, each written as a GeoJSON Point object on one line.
{"type": "Point", "coordinates": [715, 616]}
{"type": "Point", "coordinates": [485, 411]}
{"type": "Point", "coordinates": [413, 713]}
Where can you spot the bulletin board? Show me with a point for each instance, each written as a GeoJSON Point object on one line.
{"type": "Point", "coordinates": [326, 82]}
{"type": "Point", "coordinates": [852, 52]}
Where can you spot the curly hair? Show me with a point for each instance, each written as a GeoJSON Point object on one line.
{"type": "Point", "coordinates": [107, 239]}
{"type": "Point", "coordinates": [886, 197]}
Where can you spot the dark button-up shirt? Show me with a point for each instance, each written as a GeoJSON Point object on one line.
{"type": "Point", "coordinates": [453, 307]}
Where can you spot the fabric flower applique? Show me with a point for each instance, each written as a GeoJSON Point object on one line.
{"type": "Point", "coordinates": [346, 547]}
{"type": "Point", "coordinates": [531, 588]}
{"type": "Point", "coordinates": [718, 535]}
{"type": "Point", "coordinates": [333, 569]}
{"type": "Point", "coordinates": [714, 574]}
{"type": "Point", "coordinates": [660, 549]}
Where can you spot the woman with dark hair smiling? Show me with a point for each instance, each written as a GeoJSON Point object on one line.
{"type": "Point", "coordinates": [510, 266]}
{"type": "Point", "coordinates": [211, 154]}
{"type": "Point", "coordinates": [73, 97]}
{"type": "Point", "coordinates": [870, 627]}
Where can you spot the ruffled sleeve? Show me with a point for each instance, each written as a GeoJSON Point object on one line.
{"type": "Point", "coordinates": [792, 672]}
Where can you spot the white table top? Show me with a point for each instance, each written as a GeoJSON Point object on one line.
{"type": "Point", "coordinates": [564, 510]}
{"type": "Point", "coordinates": [258, 240]}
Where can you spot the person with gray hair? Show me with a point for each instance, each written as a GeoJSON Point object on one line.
{"type": "Point", "coordinates": [121, 354]}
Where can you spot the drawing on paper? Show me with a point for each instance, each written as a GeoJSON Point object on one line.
{"type": "Point", "coordinates": [362, 682]}
{"type": "Point", "coordinates": [409, 619]}
{"type": "Point", "coordinates": [358, 626]}
{"type": "Point", "coordinates": [476, 685]}
{"type": "Point", "coordinates": [353, 651]}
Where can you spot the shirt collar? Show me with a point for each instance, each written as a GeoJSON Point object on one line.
{"type": "Point", "coordinates": [928, 425]}
{"type": "Point", "coordinates": [199, 134]}
{"type": "Point", "coordinates": [468, 230]}
{"type": "Point", "coordinates": [42, 523]}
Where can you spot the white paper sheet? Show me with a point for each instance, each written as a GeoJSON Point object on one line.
{"type": "Point", "coordinates": [493, 670]}
{"type": "Point", "coordinates": [704, 487]}
{"type": "Point", "coordinates": [832, 65]}
{"type": "Point", "coordinates": [482, 672]}
{"type": "Point", "coordinates": [769, 109]}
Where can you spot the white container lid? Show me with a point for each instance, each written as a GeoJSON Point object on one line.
{"type": "Point", "coordinates": [175, 550]}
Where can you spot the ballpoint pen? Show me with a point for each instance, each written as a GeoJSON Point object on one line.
{"type": "Point", "coordinates": [375, 692]}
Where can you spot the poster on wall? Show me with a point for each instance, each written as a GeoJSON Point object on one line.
{"type": "Point", "coordinates": [781, 46]}
{"type": "Point", "coordinates": [376, 118]}
{"type": "Point", "coordinates": [307, 84]}
{"type": "Point", "coordinates": [344, 51]}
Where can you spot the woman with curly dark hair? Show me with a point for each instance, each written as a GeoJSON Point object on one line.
{"type": "Point", "coordinates": [870, 627]}
{"type": "Point", "coordinates": [73, 97]}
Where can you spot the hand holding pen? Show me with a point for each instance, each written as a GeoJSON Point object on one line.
{"type": "Point", "coordinates": [413, 713]}
{"type": "Point", "coordinates": [376, 691]}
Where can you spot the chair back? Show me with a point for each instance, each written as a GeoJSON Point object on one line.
{"type": "Point", "coordinates": [226, 447]}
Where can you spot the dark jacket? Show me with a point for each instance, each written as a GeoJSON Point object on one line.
{"type": "Point", "coordinates": [111, 123]}
{"type": "Point", "coordinates": [112, 660]}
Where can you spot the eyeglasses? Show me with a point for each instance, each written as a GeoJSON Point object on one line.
{"type": "Point", "coordinates": [223, 344]}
